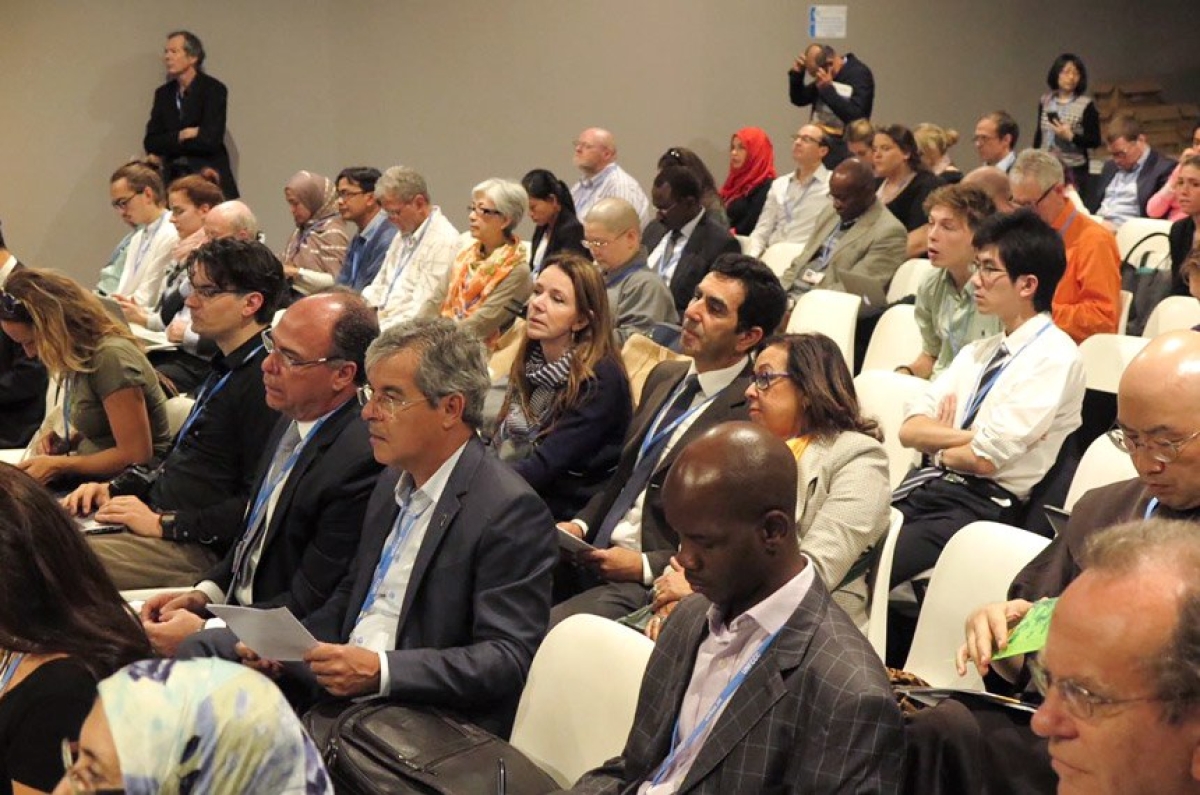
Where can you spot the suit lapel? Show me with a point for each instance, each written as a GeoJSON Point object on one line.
{"type": "Point", "coordinates": [653, 404]}
{"type": "Point", "coordinates": [721, 409]}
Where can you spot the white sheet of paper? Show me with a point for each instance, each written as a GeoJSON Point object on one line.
{"type": "Point", "coordinates": [12, 455]}
{"type": "Point", "coordinates": [844, 91]}
{"type": "Point", "coordinates": [273, 634]}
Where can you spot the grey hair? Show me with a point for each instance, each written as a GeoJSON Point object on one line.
{"type": "Point", "coordinates": [401, 182]}
{"type": "Point", "coordinates": [1175, 545]}
{"type": "Point", "coordinates": [354, 330]}
{"type": "Point", "coordinates": [509, 197]}
{"type": "Point", "coordinates": [1042, 167]}
{"type": "Point", "coordinates": [453, 362]}
{"type": "Point", "coordinates": [239, 216]}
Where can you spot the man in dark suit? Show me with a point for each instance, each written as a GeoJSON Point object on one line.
{"type": "Point", "coordinates": [449, 595]}
{"type": "Point", "coordinates": [302, 526]}
{"type": "Point", "coordinates": [735, 306]}
{"type": "Point", "coordinates": [1131, 176]}
{"type": "Point", "coordinates": [761, 683]}
{"type": "Point", "coordinates": [683, 240]}
{"type": "Point", "coordinates": [23, 380]}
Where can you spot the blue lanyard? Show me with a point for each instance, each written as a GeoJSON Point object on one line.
{"type": "Point", "coordinates": [656, 435]}
{"type": "Point", "coordinates": [676, 747]}
{"type": "Point", "coordinates": [406, 258]}
{"type": "Point", "coordinates": [264, 493]}
{"type": "Point", "coordinates": [10, 669]}
{"type": "Point", "coordinates": [1151, 507]}
{"type": "Point", "coordinates": [1070, 220]}
{"type": "Point", "coordinates": [625, 274]}
{"type": "Point", "coordinates": [206, 395]}
{"type": "Point", "coordinates": [403, 526]}
{"type": "Point", "coordinates": [977, 396]}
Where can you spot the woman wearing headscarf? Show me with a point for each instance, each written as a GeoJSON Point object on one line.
{"type": "Point", "coordinates": [751, 170]}
{"type": "Point", "coordinates": [166, 727]}
{"type": "Point", "coordinates": [315, 251]}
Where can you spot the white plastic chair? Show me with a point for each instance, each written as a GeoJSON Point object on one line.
{"type": "Point", "coordinates": [878, 611]}
{"type": "Point", "coordinates": [1102, 463]}
{"type": "Point", "coordinates": [831, 313]}
{"type": "Point", "coordinates": [779, 256]}
{"type": "Point", "coordinates": [1126, 305]}
{"type": "Point", "coordinates": [974, 569]}
{"type": "Point", "coordinates": [896, 339]}
{"type": "Point", "coordinates": [1105, 357]}
{"type": "Point", "coordinates": [1173, 313]}
{"type": "Point", "coordinates": [885, 395]}
{"type": "Point", "coordinates": [908, 277]}
{"type": "Point", "coordinates": [565, 722]}
{"type": "Point", "coordinates": [744, 242]}
{"type": "Point", "coordinates": [178, 408]}
{"type": "Point", "coordinates": [1136, 229]}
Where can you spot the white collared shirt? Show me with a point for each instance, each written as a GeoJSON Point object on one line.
{"type": "Point", "coordinates": [667, 269]}
{"type": "Point", "coordinates": [415, 272]}
{"type": "Point", "coordinates": [609, 182]}
{"type": "Point", "coordinates": [790, 212]}
{"type": "Point", "coordinates": [146, 261]}
{"type": "Point", "coordinates": [1120, 197]}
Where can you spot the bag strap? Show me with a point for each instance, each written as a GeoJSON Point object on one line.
{"type": "Point", "coordinates": [1128, 259]}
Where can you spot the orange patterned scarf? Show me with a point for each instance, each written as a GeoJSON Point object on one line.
{"type": "Point", "coordinates": [474, 277]}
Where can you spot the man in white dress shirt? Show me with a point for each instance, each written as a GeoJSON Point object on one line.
{"type": "Point", "coordinates": [137, 194]}
{"type": "Point", "coordinates": [795, 200]}
{"type": "Point", "coordinates": [602, 178]}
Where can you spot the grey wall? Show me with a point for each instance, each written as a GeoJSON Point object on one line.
{"type": "Point", "coordinates": [467, 89]}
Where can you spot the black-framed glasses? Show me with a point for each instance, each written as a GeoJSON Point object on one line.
{"type": "Point", "coordinates": [1037, 201]}
{"type": "Point", "coordinates": [11, 308]}
{"type": "Point", "coordinates": [1164, 451]}
{"type": "Point", "coordinates": [343, 195]}
{"type": "Point", "coordinates": [207, 292]}
{"type": "Point", "coordinates": [390, 405]}
{"type": "Point", "coordinates": [988, 272]}
{"type": "Point", "coordinates": [289, 361]}
{"type": "Point", "coordinates": [122, 203]}
{"type": "Point", "coordinates": [763, 379]}
{"type": "Point", "coordinates": [481, 210]}
{"type": "Point", "coordinates": [76, 780]}
{"type": "Point", "coordinates": [1080, 702]}
{"type": "Point", "coordinates": [808, 139]}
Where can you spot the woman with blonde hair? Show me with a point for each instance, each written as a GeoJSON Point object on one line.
{"type": "Point", "coordinates": [860, 137]}
{"type": "Point", "coordinates": [568, 403]}
{"type": "Point", "coordinates": [113, 408]}
{"type": "Point", "coordinates": [934, 142]}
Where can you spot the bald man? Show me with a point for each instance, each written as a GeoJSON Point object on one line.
{"type": "Point", "coordinates": [994, 183]}
{"type": "Point", "coordinates": [601, 177]}
{"type": "Point", "coordinates": [765, 683]}
{"type": "Point", "coordinates": [231, 219]}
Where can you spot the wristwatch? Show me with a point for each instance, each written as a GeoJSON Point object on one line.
{"type": "Point", "coordinates": [937, 459]}
{"type": "Point", "coordinates": [167, 522]}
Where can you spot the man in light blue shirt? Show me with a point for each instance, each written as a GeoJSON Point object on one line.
{"type": "Point", "coordinates": [1132, 176]}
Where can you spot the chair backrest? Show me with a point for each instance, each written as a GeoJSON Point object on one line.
{"type": "Point", "coordinates": [744, 242]}
{"type": "Point", "coordinates": [1173, 313]}
{"type": "Point", "coordinates": [885, 395]}
{"type": "Point", "coordinates": [1105, 357]}
{"type": "Point", "coordinates": [878, 611]}
{"type": "Point", "coordinates": [178, 408]}
{"type": "Point", "coordinates": [1135, 229]}
{"type": "Point", "coordinates": [1102, 463]}
{"type": "Point", "coordinates": [896, 339]}
{"type": "Point", "coordinates": [907, 278]}
{"type": "Point", "coordinates": [779, 256]}
{"type": "Point", "coordinates": [974, 569]}
{"type": "Point", "coordinates": [832, 313]}
{"type": "Point", "coordinates": [1126, 304]}
{"type": "Point", "coordinates": [641, 355]}
{"type": "Point", "coordinates": [566, 722]}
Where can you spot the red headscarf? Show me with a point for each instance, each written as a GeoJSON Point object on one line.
{"type": "Point", "coordinates": [758, 168]}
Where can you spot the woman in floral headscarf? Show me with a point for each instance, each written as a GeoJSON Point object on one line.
{"type": "Point", "coordinates": [193, 726]}
{"type": "Point", "coordinates": [490, 280]}
{"type": "Point", "coordinates": [315, 251]}
{"type": "Point", "coordinates": [751, 169]}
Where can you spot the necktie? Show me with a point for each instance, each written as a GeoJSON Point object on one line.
{"type": "Point", "coordinates": [256, 524]}
{"type": "Point", "coordinates": [645, 467]}
{"type": "Point", "coordinates": [664, 265]}
{"type": "Point", "coordinates": [990, 374]}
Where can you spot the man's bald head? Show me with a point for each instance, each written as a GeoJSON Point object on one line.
{"type": "Point", "coordinates": [852, 188]}
{"type": "Point", "coordinates": [231, 219]}
{"type": "Point", "coordinates": [994, 183]}
{"type": "Point", "coordinates": [1167, 370]}
{"type": "Point", "coordinates": [594, 150]}
{"type": "Point", "coordinates": [615, 215]}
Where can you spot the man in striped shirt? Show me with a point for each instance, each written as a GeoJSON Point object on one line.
{"type": "Point", "coordinates": [596, 159]}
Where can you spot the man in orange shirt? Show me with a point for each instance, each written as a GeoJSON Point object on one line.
{"type": "Point", "coordinates": [1088, 298]}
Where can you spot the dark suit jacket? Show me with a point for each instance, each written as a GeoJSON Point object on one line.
{"type": "Point", "coordinates": [659, 541]}
{"type": "Point", "coordinates": [204, 107]}
{"type": "Point", "coordinates": [566, 237]}
{"type": "Point", "coordinates": [315, 528]}
{"type": "Point", "coordinates": [1153, 176]}
{"type": "Point", "coordinates": [1182, 237]}
{"type": "Point", "coordinates": [815, 715]}
{"type": "Point", "coordinates": [855, 74]}
{"type": "Point", "coordinates": [478, 603]}
{"type": "Point", "coordinates": [708, 241]}
{"type": "Point", "coordinates": [23, 385]}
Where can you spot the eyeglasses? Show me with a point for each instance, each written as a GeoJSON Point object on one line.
{"type": "Point", "coordinates": [343, 195]}
{"type": "Point", "coordinates": [388, 404]}
{"type": "Point", "coordinates": [1164, 451]}
{"type": "Point", "coordinates": [208, 292]}
{"type": "Point", "coordinates": [987, 272]}
{"type": "Point", "coordinates": [75, 778]}
{"type": "Point", "coordinates": [600, 245]}
{"type": "Point", "coordinates": [289, 361]}
{"type": "Point", "coordinates": [480, 210]}
{"type": "Point", "coordinates": [763, 380]}
{"type": "Point", "coordinates": [121, 204]}
{"type": "Point", "coordinates": [1035, 202]}
{"type": "Point", "coordinates": [1078, 700]}
{"type": "Point", "coordinates": [808, 139]}
{"type": "Point", "coordinates": [11, 308]}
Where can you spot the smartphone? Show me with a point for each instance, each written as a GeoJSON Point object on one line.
{"type": "Point", "coordinates": [1053, 117]}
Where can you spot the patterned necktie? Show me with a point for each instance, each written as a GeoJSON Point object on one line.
{"type": "Point", "coordinates": [257, 519]}
{"type": "Point", "coordinates": [990, 374]}
{"type": "Point", "coordinates": [664, 264]}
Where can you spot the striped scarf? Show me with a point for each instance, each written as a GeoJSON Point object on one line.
{"type": "Point", "coordinates": [548, 379]}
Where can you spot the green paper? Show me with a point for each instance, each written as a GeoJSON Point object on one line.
{"type": "Point", "coordinates": [1030, 635]}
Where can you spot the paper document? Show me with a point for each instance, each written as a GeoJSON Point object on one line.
{"type": "Point", "coordinates": [1030, 635]}
{"type": "Point", "coordinates": [273, 634]}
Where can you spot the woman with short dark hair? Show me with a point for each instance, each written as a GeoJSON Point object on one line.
{"type": "Point", "coordinates": [1068, 122]}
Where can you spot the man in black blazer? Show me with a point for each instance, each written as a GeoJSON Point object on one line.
{"type": "Point", "coordinates": [683, 240]}
{"type": "Point", "coordinates": [23, 380]}
{"type": "Point", "coordinates": [1131, 159]}
{"type": "Point", "coordinates": [841, 90]}
{"type": "Point", "coordinates": [449, 595]}
{"type": "Point", "coordinates": [304, 518]}
{"type": "Point", "coordinates": [737, 304]}
{"type": "Point", "coordinates": [811, 709]}
{"type": "Point", "coordinates": [186, 129]}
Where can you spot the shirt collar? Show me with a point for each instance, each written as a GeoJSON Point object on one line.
{"type": "Point", "coordinates": [687, 229]}
{"type": "Point", "coordinates": [373, 224]}
{"type": "Point", "coordinates": [599, 175]}
{"type": "Point", "coordinates": [820, 175]}
{"type": "Point", "coordinates": [1026, 332]}
{"type": "Point", "coordinates": [238, 357]}
{"type": "Point", "coordinates": [433, 488]}
{"type": "Point", "coordinates": [714, 381]}
{"type": "Point", "coordinates": [408, 239]}
{"type": "Point", "coordinates": [306, 426]}
{"type": "Point", "coordinates": [771, 613]}
{"type": "Point", "coordinates": [1006, 162]}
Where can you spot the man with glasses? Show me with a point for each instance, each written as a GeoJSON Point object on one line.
{"type": "Point", "coordinates": [1088, 298]}
{"type": "Point", "coordinates": [795, 200]}
{"type": "Point", "coordinates": [602, 178]}
{"type": "Point", "coordinates": [991, 425]}
{"type": "Point", "coordinates": [1132, 175]}
{"type": "Point", "coordinates": [412, 280]}
{"type": "Point", "coordinates": [301, 526]}
{"type": "Point", "coordinates": [639, 299]}
{"type": "Point", "coordinates": [356, 203]}
{"type": "Point", "coordinates": [996, 137]}
{"type": "Point", "coordinates": [449, 595]}
{"type": "Point", "coordinates": [181, 517]}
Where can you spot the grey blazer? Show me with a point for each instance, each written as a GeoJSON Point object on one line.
{"type": "Point", "coordinates": [816, 715]}
{"type": "Point", "coordinates": [842, 511]}
{"type": "Point", "coordinates": [874, 247]}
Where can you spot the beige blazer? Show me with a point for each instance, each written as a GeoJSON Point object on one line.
{"type": "Point", "coordinates": [873, 247]}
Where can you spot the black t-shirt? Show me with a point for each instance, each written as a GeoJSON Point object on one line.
{"type": "Point", "coordinates": [35, 715]}
{"type": "Point", "coordinates": [909, 204]}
